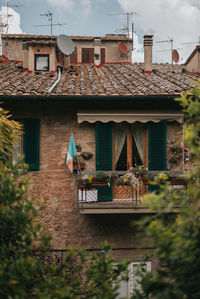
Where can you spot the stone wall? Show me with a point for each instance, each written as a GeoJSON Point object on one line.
{"type": "Point", "coordinates": [175, 138]}
{"type": "Point", "coordinates": [13, 49]}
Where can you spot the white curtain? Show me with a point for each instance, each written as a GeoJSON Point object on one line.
{"type": "Point", "coordinates": [120, 137]}
{"type": "Point", "coordinates": [138, 135]}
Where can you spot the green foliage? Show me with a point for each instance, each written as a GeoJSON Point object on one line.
{"type": "Point", "coordinates": [94, 275]}
{"type": "Point", "coordinates": [102, 274]}
{"type": "Point", "coordinates": [176, 235]}
{"type": "Point", "coordinates": [101, 175]}
{"type": "Point", "coordinates": [18, 230]}
{"type": "Point", "coordinates": [86, 155]}
{"type": "Point", "coordinates": [22, 273]}
{"type": "Point", "coordinates": [77, 160]}
{"type": "Point", "coordinates": [9, 135]}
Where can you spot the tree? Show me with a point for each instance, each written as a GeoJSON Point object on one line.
{"type": "Point", "coordinates": [9, 135]}
{"type": "Point", "coordinates": [22, 273]}
{"type": "Point", "coordinates": [177, 235]}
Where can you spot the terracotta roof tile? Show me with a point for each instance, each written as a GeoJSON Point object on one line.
{"type": "Point", "coordinates": [86, 79]}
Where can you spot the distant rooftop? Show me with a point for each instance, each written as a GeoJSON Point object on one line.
{"type": "Point", "coordinates": [114, 37]}
{"type": "Point", "coordinates": [197, 49]}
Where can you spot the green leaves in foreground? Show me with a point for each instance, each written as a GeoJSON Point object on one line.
{"type": "Point", "coordinates": [177, 235]}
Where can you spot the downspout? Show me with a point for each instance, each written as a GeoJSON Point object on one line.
{"type": "Point", "coordinates": [56, 82]}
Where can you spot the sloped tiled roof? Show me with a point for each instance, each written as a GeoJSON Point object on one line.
{"type": "Point", "coordinates": [197, 49]}
{"type": "Point", "coordinates": [85, 79]}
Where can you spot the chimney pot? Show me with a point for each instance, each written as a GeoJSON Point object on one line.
{"type": "Point", "coordinates": [148, 43]}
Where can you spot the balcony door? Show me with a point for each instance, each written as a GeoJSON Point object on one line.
{"type": "Point", "coordinates": [122, 146]}
{"type": "Point", "coordinates": [129, 147]}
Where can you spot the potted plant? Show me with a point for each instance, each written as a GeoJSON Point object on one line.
{"type": "Point", "coordinates": [139, 170]}
{"type": "Point", "coordinates": [128, 179]}
{"type": "Point", "coordinates": [85, 182]}
{"type": "Point", "coordinates": [78, 163]}
{"type": "Point", "coordinates": [86, 155]}
{"type": "Point", "coordinates": [162, 177]}
{"type": "Point", "coordinates": [176, 154]}
{"type": "Point", "coordinates": [101, 178]}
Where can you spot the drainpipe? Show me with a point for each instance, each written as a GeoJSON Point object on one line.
{"type": "Point", "coordinates": [148, 43]}
{"type": "Point", "coordinates": [56, 82]}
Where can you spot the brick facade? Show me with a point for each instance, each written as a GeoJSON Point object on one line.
{"type": "Point", "coordinates": [56, 187]}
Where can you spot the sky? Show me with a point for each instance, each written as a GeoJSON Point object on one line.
{"type": "Point", "coordinates": [177, 20]}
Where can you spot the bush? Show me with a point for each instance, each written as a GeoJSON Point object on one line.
{"type": "Point", "coordinates": [177, 235]}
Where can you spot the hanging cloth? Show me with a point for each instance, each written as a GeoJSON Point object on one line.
{"type": "Point", "coordinates": [120, 131]}
{"type": "Point", "coordinates": [138, 135]}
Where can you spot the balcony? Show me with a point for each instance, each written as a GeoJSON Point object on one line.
{"type": "Point", "coordinates": [114, 196]}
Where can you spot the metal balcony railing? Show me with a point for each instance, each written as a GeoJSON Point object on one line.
{"type": "Point", "coordinates": [110, 193]}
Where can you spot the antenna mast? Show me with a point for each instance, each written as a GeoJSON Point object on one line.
{"type": "Point", "coordinates": [4, 20]}
{"type": "Point", "coordinates": [128, 15]}
{"type": "Point", "coordinates": [49, 14]}
{"type": "Point", "coordinates": [188, 43]}
{"type": "Point", "coordinates": [171, 41]}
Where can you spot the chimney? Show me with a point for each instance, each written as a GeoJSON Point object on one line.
{"type": "Point", "coordinates": [148, 43]}
{"type": "Point", "coordinates": [97, 51]}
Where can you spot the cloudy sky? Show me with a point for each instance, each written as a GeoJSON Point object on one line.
{"type": "Point", "coordinates": [177, 20]}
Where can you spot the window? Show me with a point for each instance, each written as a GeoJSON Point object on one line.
{"type": "Point", "coordinates": [73, 57]}
{"type": "Point", "coordinates": [126, 287]}
{"type": "Point", "coordinates": [122, 146]}
{"type": "Point", "coordinates": [28, 145]}
{"type": "Point", "coordinates": [128, 140]}
{"type": "Point", "coordinates": [87, 55]}
{"type": "Point", "coordinates": [41, 62]}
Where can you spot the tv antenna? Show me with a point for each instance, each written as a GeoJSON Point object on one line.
{"type": "Point", "coordinates": [49, 14]}
{"type": "Point", "coordinates": [174, 52]}
{"type": "Point", "coordinates": [4, 21]}
{"type": "Point", "coordinates": [171, 41]}
{"type": "Point", "coordinates": [128, 16]}
{"type": "Point", "coordinates": [188, 43]}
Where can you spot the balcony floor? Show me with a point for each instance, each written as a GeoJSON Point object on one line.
{"type": "Point", "coordinates": [120, 199]}
{"type": "Point", "coordinates": [115, 207]}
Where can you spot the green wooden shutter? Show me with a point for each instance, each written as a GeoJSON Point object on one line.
{"type": "Point", "coordinates": [157, 146]}
{"type": "Point", "coordinates": [104, 157]}
{"type": "Point", "coordinates": [103, 146]}
{"type": "Point", "coordinates": [31, 143]}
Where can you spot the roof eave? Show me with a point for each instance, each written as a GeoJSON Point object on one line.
{"type": "Point", "coordinates": [89, 97]}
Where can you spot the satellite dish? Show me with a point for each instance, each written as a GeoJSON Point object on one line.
{"type": "Point", "coordinates": [175, 56]}
{"type": "Point", "coordinates": [122, 48]}
{"type": "Point", "coordinates": [65, 44]}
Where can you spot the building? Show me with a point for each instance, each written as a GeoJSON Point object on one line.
{"type": "Point", "coordinates": [39, 52]}
{"type": "Point", "coordinates": [122, 113]}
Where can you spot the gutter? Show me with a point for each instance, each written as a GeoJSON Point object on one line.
{"type": "Point", "coordinates": [56, 82]}
{"type": "Point", "coordinates": [90, 97]}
